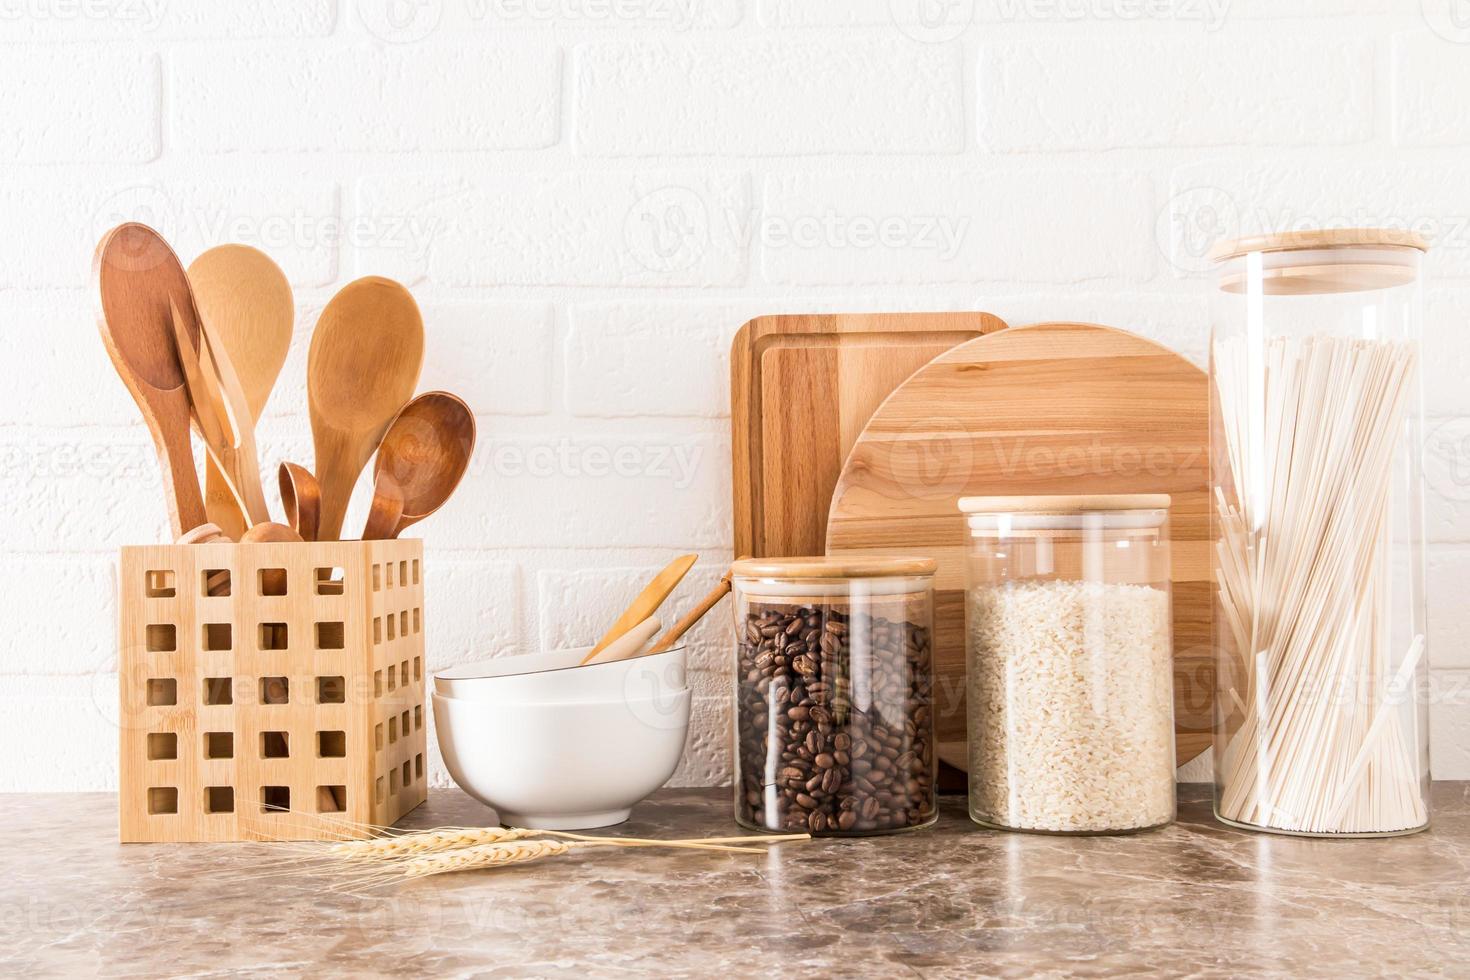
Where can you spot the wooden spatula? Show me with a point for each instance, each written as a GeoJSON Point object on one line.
{"type": "Point", "coordinates": [647, 602]}
{"type": "Point", "coordinates": [245, 301]}
{"type": "Point", "coordinates": [363, 365]}
{"type": "Point", "coordinates": [138, 276]}
{"type": "Point", "coordinates": [221, 417]}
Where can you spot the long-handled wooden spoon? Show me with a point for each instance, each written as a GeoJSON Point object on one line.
{"type": "Point", "coordinates": [301, 497]}
{"type": "Point", "coordinates": [138, 275]}
{"type": "Point", "coordinates": [245, 302]}
{"type": "Point", "coordinates": [425, 452]}
{"type": "Point", "coordinates": [647, 602]}
{"type": "Point", "coordinates": [363, 365]}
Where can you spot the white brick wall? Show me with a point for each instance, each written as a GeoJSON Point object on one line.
{"type": "Point", "coordinates": [589, 197]}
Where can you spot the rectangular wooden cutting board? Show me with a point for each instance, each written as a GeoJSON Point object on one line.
{"type": "Point", "coordinates": [802, 387]}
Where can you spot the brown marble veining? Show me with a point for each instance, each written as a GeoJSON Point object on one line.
{"type": "Point", "coordinates": [1196, 899]}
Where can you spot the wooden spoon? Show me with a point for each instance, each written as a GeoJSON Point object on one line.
{"type": "Point", "coordinates": [425, 452]}
{"type": "Point", "coordinates": [137, 276]}
{"type": "Point", "coordinates": [363, 365]}
{"type": "Point", "coordinates": [301, 496]}
{"type": "Point", "coordinates": [246, 303]}
{"type": "Point", "coordinates": [386, 511]}
{"type": "Point", "coordinates": [629, 644]}
{"type": "Point", "coordinates": [203, 534]}
{"type": "Point", "coordinates": [269, 532]}
{"type": "Point", "coordinates": [647, 602]}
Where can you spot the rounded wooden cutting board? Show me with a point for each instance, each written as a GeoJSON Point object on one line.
{"type": "Point", "coordinates": [1051, 408]}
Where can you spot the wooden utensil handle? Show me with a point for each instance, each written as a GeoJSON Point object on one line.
{"type": "Point", "coordinates": [220, 503]}
{"type": "Point", "coordinates": [694, 615]}
{"type": "Point", "coordinates": [180, 481]}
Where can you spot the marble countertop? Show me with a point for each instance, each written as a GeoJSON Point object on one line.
{"type": "Point", "coordinates": [1195, 899]}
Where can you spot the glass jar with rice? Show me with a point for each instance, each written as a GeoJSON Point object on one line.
{"type": "Point", "coordinates": [1070, 663]}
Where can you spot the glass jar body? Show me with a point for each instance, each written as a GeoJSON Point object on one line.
{"type": "Point", "coordinates": [1070, 671]}
{"type": "Point", "coordinates": [834, 724]}
{"type": "Point", "coordinates": [1316, 466]}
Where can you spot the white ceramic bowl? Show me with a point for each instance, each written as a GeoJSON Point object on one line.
{"type": "Point", "coordinates": [566, 766]}
{"type": "Point", "coordinates": [555, 677]}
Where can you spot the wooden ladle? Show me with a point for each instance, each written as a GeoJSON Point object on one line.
{"type": "Point", "coordinates": [364, 362]}
{"type": "Point", "coordinates": [137, 276]}
{"type": "Point", "coordinates": [424, 454]}
{"type": "Point", "coordinates": [301, 497]}
{"type": "Point", "coordinates": [646, 603]}
{"type": "Point", "coordinates": [246, 302]}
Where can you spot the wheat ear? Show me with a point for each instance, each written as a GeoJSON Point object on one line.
{"type": "Point", "coordinates": [485, 856]}
{"type": "Point", "coordinates": [427, 842]}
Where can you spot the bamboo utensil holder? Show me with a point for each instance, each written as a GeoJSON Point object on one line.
{"type": "Point", "coordinates": [270, 691]}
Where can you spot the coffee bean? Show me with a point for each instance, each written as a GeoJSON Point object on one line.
{"type": "Point", "coordinates": [838, 768]}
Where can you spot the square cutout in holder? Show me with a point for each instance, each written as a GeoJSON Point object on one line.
{"type": "Point", "coordinates": [331, 581]}
{"type": "Point", "coordinates": [377, 683]}
{"type": "Point", "coordinates": [418, 717]}
{"type": "Point", "coordinates": [272, 581]}
{"type": "Point", "coordinates": [392, 677]}
{"type": "Point", "coordinates": [219, 799]}
{"type": "Point", "coordinates": [392, 729]}
{"type": "Point", "coordinates": [331, 799]}
{"type": "Point", "coordinates": [218, 636]}
{"type": "Point", "coordinates": [403, 623]}
{"type": "Point", "coordinates": [275, 690]}
{"type": "Point", "coordinates": [275, 745]}
{"type": "Point", "coordinates": [331, 636]}
{"type": "Point", "coordinates": [378, 789]}
{"type": "Point", "coordinates": [163, 799]}
{"type": "Point", "coordinates": [158, 583]}
{"type": "Point", "coordinates": [162, 691]}
{"type": "Point", "coordinates": [403, 722]}
{"type": "Point", "coordinates": [161, 638]}
{"type": "Point", "coordinates": [219, 690]}
{"type": "Point", "coordinates": [378, 736]}
{"type": "Point", "coordinates": [215, 582]}
{"type": "Point", "coordinates": [377, 579]}
{"type": "Point", "coordinates": [377, 629]}
{"type": "Point", "coordinates": [392, 627]}
{"type": "Point", "coordinates": [415, 571]}
{"type": "Point", "coordinates": [388, 574]}
{"type": "Point", "coordinates": [219, 745]}
{"type": "Point", "coordinates": [163, 745]}
{"type": "Point", "coordinates": [418, 668]}
{"type": "Point", "coordinates": [407, 774]}
{"type": "Point", "coordinates": [403, 573]}
{"type": "Point", "coordinates": [418, 623]}
{"type": "Point", "coordinates": [331, 690]}
{"type": "Point", "coordinates": [275, 798]}
{"type": "Point", "coordinates": [273, 636]}
{"type": "Point", "coordinates": [418, 765]}
{"type": "Point", "coordinates": [331, 745]}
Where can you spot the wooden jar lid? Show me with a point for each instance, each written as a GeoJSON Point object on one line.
{"type": "Point", "coordinates": [1079, 503]}
{"type": "Point", "coordinates": [819, 567]}
{"type": "Point", "coordinates": [1320, 238]}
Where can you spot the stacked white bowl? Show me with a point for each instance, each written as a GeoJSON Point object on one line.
{"type": "Point", "coordinates": [551, 745]}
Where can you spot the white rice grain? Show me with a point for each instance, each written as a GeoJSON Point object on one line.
{"type": "Point", "coordinates": [1071, 718]}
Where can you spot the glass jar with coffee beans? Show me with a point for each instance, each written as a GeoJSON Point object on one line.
{"type": "Point", "coordinates": [833, 694]}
